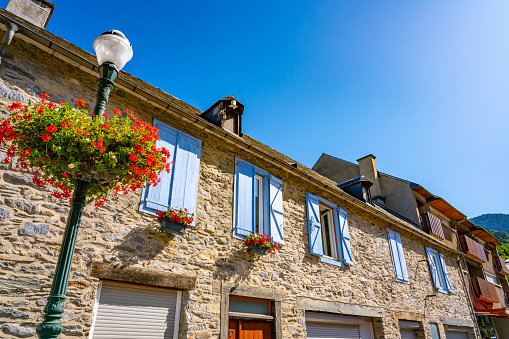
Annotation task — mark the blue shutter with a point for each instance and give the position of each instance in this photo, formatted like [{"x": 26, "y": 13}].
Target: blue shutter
[
  {"x": 243, "y": 195},
  {"x": 314, "y": 227},
  {"x": 433, "y": 267},
  {"x": 184, "y": 187},
  {"x": 276, "y": 210},
  {"x": 158, "y": 198},
  {"x": 345, "y": 237},
  {"x": 398, "y": 258},
  {"x": 444, "y": 270}
]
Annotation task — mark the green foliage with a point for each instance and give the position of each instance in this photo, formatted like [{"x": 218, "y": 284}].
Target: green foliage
[
  {"x": 503, "y": 250},
  {"x": 493, "y": 221}
]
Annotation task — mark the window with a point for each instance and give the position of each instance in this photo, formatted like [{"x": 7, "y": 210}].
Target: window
[
  {"x": 179, "y": 187},
  {"x": 258, "y": 202},
  {"x": 491, "y": 278},
  {"x": 328, "y": 231},
  {"x": 438, "y": 270},
  {"x": 398, "y": 258}
]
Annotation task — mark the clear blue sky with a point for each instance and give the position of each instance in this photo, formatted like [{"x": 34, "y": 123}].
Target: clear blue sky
[{"x": 423, "y": 85}]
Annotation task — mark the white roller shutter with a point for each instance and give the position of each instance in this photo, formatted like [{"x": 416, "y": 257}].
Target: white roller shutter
[
  {"x": 456, "y": 335},
  {"x": 319, "y": 331},
  {"x": 134, "y": 311},
  {"x": 408, "y": 334}
]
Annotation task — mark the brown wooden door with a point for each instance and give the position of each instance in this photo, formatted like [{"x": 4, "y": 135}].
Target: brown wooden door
[{"x": 249, "y": 329}]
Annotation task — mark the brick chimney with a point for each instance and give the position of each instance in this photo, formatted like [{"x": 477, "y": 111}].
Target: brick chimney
[
  {"x": 36, "y": 12},
  {"x": 367, "y": 168},
  {"x": 226, "y": 113}
]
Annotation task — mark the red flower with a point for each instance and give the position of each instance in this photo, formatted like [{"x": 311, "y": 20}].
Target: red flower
[
  {"x": 134, "y": 157},
  {"x": 15, "y": 106},
  {"x": 104, "y": 115},
  {"x": 105, "y": 125},
  {"x": 45, "y": 95},
  {"x": 46, "y": 137},
  {"x": 80, "y": 102},
  {"x": 52, "y": 129},
  {"x": 117, "y": 112}
]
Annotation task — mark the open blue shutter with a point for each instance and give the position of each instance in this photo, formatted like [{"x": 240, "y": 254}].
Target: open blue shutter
[
  {"x": 158, "y": 198},
  {"x": 276, "y": 210},
  {"x": 184, "y": 188},
  {"x": 345, "y": 237},
  {"x": 444, "y": 270},
  {"x": 433, "y": 268},
  {"x": 402, "y": 260},
  {"x": 398, "y": 258},
  {"x": 244, "y": 203},
  {"x": 395, "y": 254},
  {"x": 314, "y": 227}
]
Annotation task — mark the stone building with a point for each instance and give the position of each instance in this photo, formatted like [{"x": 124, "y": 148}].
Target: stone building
[
  {"x": 483, "y": 269},
  {"x": 348, "y": 267}
]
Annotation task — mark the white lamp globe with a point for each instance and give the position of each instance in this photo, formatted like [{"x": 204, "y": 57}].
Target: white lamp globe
[{"x": 113, "y": 46}]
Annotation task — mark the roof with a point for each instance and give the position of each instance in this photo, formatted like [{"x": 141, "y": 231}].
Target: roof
[{"x": 480, "y": 233}]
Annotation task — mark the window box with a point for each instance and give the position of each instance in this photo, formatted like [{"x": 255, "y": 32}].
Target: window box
[
  {"x": 172, "y": 227},
  {"x": 256, "y": 249}
]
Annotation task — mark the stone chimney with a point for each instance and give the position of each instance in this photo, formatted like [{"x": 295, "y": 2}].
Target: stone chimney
[
  {"x": 36, "y": 12},
  {"x": 226, "y": 113},
  {"x": 367, "y": 168}
]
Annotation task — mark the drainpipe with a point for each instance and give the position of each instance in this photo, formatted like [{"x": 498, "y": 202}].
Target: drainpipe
[
  {"x": 465, "y": 286},
  {"x": 11, "y": 29}
]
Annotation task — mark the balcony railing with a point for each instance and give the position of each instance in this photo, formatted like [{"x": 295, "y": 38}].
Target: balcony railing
[
  {"x": 473, "y": 249},
  {"x": 485, "y": 291},
  {"x": 432, "y": 225},
  {"x": 500, "y": 264}
]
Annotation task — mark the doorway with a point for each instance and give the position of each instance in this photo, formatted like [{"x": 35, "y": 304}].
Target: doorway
[{"x": 249, "y": 329}]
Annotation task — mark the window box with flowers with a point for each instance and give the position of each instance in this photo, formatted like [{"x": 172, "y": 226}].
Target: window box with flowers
[
  {"x": 260, "y": 244},
  {"x": 174, "y": 220}
]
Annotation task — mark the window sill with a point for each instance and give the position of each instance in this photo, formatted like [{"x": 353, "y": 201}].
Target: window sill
[
  {"x": 331, "y": 261},
  {"x": 403, "y": 281}
]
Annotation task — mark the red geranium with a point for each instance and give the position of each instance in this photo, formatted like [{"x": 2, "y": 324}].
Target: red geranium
[
  {"x": 177, "y": 215},
  {"x": 262, "y": 240},
  {"x": 85, "y": 144}
]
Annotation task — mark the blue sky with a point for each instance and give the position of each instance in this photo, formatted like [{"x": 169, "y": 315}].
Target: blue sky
[{"x": 422, "y": 85}]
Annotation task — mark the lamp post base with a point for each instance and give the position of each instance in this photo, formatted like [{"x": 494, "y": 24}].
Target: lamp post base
[{"x": 51, "y": 327}]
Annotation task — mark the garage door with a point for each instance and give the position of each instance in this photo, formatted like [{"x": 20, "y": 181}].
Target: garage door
[
  {"x": 135, "y": 311},
  {"x": 334, "y": 326},
  {"x": 315, "y": 331},
  {"x": 456, "y": 335}
]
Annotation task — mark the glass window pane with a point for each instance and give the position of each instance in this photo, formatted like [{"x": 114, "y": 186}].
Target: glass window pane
[
  {"x": 249, "y": 306},
  {"x": 434, "y": 331}
]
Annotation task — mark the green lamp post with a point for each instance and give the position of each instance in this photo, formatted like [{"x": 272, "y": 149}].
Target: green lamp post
[{"x": 113, "y": 52}]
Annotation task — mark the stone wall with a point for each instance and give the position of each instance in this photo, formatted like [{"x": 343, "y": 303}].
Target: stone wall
[{"x": 32, "y": 225}]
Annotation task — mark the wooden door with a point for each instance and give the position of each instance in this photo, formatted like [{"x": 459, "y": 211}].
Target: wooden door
[{"x": 249, "y": 329}]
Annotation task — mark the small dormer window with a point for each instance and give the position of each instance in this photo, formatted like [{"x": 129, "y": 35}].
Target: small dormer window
[{"x": 358, "y": 187}]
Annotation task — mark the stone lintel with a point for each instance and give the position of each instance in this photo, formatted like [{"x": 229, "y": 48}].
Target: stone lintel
[
  {"x": 142, "y": 276},
  {"x": 457, "y": 322},
  {"x": 310, "y": 304},
  {"x": 251, "y": 291},
  {"x": 412, "y": 316}
]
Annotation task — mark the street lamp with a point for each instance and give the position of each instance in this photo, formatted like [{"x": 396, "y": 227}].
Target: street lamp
[{"x": 113, "y": 52}]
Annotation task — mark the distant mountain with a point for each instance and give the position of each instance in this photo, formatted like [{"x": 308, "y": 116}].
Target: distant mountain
[{"x": 493, "y": 221}]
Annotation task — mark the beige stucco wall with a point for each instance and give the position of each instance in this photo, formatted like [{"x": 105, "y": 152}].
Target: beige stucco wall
[{"x": 117, "y": 233}]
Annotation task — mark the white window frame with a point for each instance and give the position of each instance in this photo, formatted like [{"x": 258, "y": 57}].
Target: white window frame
[
  {"x": 262, "y": 204},
  {"x": 332, "y": 232}
]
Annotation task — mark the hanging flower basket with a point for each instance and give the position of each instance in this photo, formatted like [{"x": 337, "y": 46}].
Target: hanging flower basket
[
  {"x": 260, "y": 244},
  {"x": 174, "y": 220},
  {"x": 61, "y": 144}
]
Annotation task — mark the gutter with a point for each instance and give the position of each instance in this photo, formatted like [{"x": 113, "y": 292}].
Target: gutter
[{"x": 85, "y": 63}]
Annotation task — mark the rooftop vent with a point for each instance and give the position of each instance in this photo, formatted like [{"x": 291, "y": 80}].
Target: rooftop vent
[
  {"x": 37, "y": 12},
  {"x": 226, "y": 113}
]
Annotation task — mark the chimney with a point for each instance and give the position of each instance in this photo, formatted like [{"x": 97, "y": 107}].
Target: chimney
[
  {"x": 226, "y": 113},
  {"x": 367, "y": 168},
  {"x": 37, "y": 12}
]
